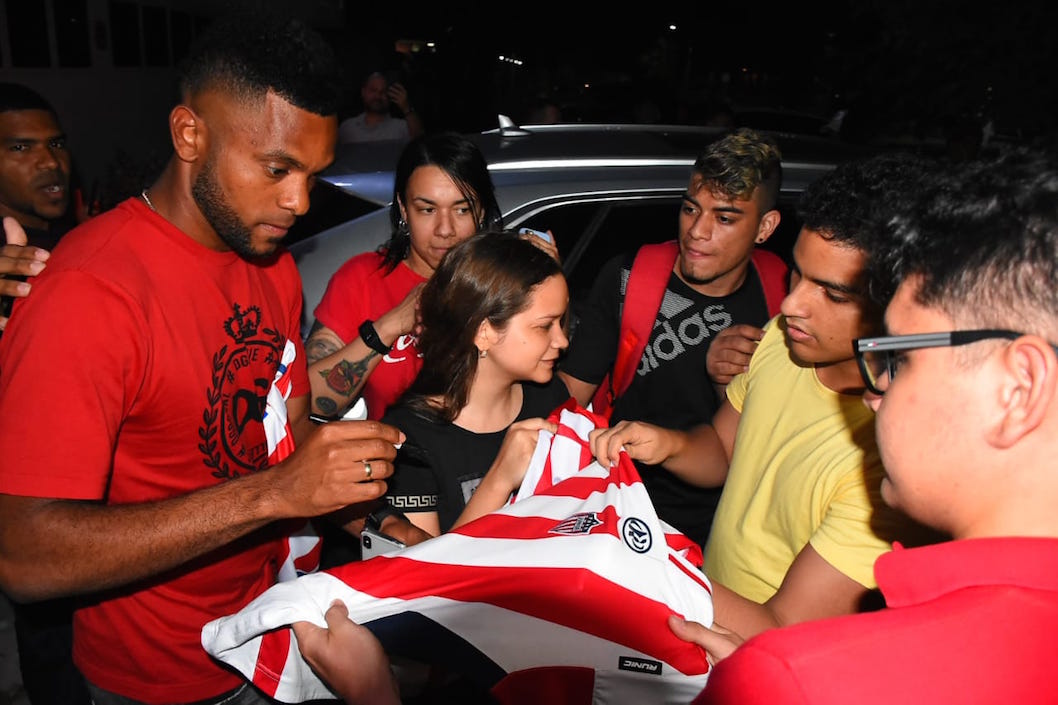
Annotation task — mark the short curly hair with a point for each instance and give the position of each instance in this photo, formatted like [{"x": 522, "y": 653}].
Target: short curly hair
[
  {"x": 983, "y": 241},
  {"x": 855, "y": 201},
  {"x": 736, "y": 164},
  {"x": 247, "y": 54}
]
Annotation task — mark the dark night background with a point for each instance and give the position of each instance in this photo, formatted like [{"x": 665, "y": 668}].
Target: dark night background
[
  {"x": 923, "y": 74},
  {"x": 903, "y": 70}
]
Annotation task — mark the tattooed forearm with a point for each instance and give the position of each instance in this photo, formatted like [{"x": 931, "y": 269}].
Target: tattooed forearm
[
  {"x": 327, "y": 405},
  {"x": 346, "y": 377},
  {"x": 317, "y": 348}
]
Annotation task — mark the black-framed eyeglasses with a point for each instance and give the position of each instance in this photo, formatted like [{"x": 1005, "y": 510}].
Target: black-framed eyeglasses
[{"x": 879, "y": 358}]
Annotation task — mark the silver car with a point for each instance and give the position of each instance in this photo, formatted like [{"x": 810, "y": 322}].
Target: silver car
[{"x": 600, "y": 189}]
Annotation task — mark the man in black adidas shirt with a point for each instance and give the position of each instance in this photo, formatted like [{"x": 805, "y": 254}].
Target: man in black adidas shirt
[{"x": 728, "y": 209}]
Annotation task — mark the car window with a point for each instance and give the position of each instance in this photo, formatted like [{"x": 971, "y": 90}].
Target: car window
[
  {"x": 330, "y": 206},
  {"x": 589, "y": 234}
]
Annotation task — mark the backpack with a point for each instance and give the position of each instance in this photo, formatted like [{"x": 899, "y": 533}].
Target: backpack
[{"x": 646, "y": 288}]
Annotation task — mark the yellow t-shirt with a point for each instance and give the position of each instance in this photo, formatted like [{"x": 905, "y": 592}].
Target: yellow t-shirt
[{"x": 804, "y": 457}]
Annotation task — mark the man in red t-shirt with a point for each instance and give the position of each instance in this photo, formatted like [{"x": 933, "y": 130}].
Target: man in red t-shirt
[{"x": 156, "y": 375}]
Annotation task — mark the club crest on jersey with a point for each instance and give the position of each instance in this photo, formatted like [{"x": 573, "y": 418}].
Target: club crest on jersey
[
  {"x": 577, "y": 524},
  {"x": 232, "y": 436},
  {"x": 636, "y": 534}
]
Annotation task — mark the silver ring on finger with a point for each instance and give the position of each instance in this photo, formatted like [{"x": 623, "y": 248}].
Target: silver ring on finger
[{"x": 367, "y": 470}]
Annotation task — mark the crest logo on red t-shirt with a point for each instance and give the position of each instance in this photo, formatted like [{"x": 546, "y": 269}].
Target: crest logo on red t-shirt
[
  {"x": 243, "y": 324},
  {"x": 232, "y": 436}
]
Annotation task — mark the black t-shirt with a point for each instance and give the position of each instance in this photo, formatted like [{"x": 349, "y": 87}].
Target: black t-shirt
[
  {"x": 671, "y": 387},
  {"x": 442, "y": 464}
]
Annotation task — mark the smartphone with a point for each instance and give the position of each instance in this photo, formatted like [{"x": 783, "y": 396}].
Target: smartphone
[
  {"x": 539, "y": 233},
  {"x": 375, "y": 543}
]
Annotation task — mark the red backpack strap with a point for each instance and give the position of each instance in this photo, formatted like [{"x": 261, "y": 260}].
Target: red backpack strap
[
  {"x": 773, "y": 274},
  {"x": 646, "y": 287}
]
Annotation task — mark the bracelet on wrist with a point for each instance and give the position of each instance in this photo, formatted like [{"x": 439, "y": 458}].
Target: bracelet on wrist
[{"x": 369, "y": 335}]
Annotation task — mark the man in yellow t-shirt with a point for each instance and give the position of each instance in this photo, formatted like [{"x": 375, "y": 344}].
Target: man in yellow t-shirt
[
  {"x": 800, "y": 522},
  {"x": 808, "y": 473}
]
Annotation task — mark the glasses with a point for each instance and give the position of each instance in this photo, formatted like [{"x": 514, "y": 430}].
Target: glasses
[{"x": 879, "y": 358}]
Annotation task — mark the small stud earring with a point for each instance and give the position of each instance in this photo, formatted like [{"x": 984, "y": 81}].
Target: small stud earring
[{"x": 483, "y": 353}]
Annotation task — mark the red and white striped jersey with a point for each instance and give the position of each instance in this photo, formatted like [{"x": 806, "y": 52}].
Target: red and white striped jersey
[
  {"x": 301, "y": 550},
  {"x": 561, "y": 596}
]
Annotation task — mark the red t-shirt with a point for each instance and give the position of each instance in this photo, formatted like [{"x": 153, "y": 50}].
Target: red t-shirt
[
  {"x": 969, "y": 621},
  {"x": 138, "y": 371},
  {"x": 362, "y": 289}
]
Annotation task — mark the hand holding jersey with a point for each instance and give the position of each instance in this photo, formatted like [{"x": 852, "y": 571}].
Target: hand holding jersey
[
  {"x": 507, "y": 472},
  {"x": 365, "y": 680},
  {"x": 552, "y": 568}
]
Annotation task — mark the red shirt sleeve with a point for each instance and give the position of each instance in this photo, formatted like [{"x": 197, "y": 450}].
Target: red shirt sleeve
[
  {"x": 751, "y": 676},
  {"x": 43, "y": 357}
]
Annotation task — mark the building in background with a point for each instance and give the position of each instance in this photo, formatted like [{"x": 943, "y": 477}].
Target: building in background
[{"x": 108, "y": 68}]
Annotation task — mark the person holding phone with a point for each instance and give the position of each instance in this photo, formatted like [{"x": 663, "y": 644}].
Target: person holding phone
[
  {"x": 373, "y": 542},
  {"x": 364, "y": 341},
  {"x": 376, "y": 122}
]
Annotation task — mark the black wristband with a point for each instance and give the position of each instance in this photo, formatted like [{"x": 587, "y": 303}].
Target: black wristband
[
  {"x": 369, "y": 335},
  {"x": 375, "y": 518}
]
